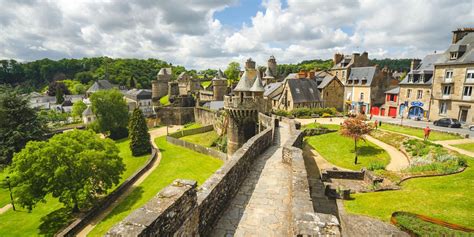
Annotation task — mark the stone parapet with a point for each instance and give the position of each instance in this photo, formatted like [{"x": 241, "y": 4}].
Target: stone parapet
[{"x": 247, "y": 103}]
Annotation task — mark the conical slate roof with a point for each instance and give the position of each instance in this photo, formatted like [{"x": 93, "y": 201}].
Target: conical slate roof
[
  {"x": 257, "y": 84},
  {"x": 220, "y": 76},
  {"x": 268, "y": 73},
  {"x": 165, "y": 71},
  {"x": 245, "y": 83}
]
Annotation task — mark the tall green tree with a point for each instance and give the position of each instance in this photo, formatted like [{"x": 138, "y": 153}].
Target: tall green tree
[
  {"x": 112, "y": 113},
  {"x": 138, "y": 134},
  {"x": 59, "y": 96},
  {"x": 75, "y": 167},
  {"x": 232, "y": 72},
  {"x": 18, "y": 123},
  {"x": 77, "y": 108}
]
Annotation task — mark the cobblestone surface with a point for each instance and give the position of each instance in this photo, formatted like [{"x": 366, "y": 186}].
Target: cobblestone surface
[{"x": 262, "y": 205}]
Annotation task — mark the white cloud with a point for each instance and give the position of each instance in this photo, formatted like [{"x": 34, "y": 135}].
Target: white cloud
[{"x": 187, "y": 33}]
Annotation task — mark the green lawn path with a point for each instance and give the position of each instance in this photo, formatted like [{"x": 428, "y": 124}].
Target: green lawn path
[
  {"x": 418, "y": 132},
  {"x": 448, "y": 198},
  {"x": 204, "y": 139},
  {"x": 339, "y": 150},
  {"x": 465, "y": 146},
  {"x": 176, "y": 163},
  {"x": 22, "y": 223}
]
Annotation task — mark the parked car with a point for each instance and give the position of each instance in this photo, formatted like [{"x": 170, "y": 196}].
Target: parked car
[
  {"x": 471, "y": 127},
  {"x": 447, "y": 122}
]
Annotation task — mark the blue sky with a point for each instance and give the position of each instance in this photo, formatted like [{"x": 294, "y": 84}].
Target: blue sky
[{"x": 204, "y": 34}]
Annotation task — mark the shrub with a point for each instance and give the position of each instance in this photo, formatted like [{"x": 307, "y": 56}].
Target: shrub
[
  {"x": 308, "y": 112},
  {"x": 280, "y": 112},
  {"x": 375, "y": 166},
  {"x": 326, "y": 115},
  {"x": 420, "y": 227}
]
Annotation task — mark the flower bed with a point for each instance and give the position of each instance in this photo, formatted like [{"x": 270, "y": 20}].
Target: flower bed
[{"x": 419, "y": 225}]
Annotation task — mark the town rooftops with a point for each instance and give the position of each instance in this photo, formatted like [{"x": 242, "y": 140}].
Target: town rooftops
[
  {"x": 426, "y": 68},
  {"x": 138, "y": 94},
  {"x": 326, "y": 80},
  {"x": 303, "y": 90},
  {"x": 461, "y": 52},
  {"x": 87, "y": 111},
  {"x": 100, "y": 85},
  {"x": 270, "y": 88},
  {"x": 361, "y": 76},
  {"x": 394, "y": 91}
]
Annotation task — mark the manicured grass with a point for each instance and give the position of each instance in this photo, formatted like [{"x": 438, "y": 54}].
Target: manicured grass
[
  {"x": 418, "y": 132},
  {"x": 448, "y": 198},
  {"x": 4, "y": 193},
  {"x": 176, "y": 163},
  {"x": 316, "y": 125},
  {"x": 46, "y": 218},
  {"x": 465, "y": 146},
  {"x": 191, "y": 126},
  {"x": 339, "y": 150},
  {"x": 205, "y": 84},
  {"x": 204, "y": 139},
  {"x": 425, "y": 228},
  {"x": 165, "y": 100}
]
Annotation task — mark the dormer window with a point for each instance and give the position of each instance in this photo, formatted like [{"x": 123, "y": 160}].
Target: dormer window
[
  {"x": 364, "y": 81},
  {"x": 453, "y": 55},
  {"x": 298, "y": 90},
  {"x": 410, "y": 78},
  {"x": 311, "y": 90}
]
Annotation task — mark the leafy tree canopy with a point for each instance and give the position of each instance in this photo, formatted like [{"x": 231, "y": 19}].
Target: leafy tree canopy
[
  {"x": 233, "y": 70},
  {"x": 18, "y": 123},
  {"x": 355, "y": 128},
  {"x": 77, "y": 108},
  {"x": 75, "y": 167},
  {"x": 111, "y": 111}
]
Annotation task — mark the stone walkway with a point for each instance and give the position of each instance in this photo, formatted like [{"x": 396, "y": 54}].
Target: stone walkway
[
  {"x": 398, "y": 160},
  {"x": 262, "y": 204},
  {"x": 5, "y": 208},
  {"x": 153, "y": 134}
]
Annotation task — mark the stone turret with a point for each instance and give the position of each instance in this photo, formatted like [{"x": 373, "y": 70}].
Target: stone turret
[
  {"x": 243, "y": 108},
  {"x": 250, "y": 64},
  {"x": 159, "y": 87},
  {"x": 219, "y": 86},
  {"x": 270, "y": 74}
]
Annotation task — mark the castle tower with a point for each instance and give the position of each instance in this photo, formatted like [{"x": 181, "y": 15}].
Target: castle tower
[
  {"x": 173, "y": 89},
  {"x": 272, "y": 64},
  {"x": 219, "y": 86},
  {"x": 243, "y": 108},
  {"x": 270, "y": 74},
  {"x": 159, "y": 87}
]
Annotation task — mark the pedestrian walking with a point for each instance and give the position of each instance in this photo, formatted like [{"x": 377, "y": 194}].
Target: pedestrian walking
[
  {"x": 427, "y": 131},
  {"x": 380, "y": 123},
  {"x": 376, "y": 123},
  {"x": 371, "y": 116}
]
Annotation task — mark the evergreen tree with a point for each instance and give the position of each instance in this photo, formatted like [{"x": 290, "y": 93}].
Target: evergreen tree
[
  {"x": 138, "y": 134},
  {"x": 59, "y": 96}
]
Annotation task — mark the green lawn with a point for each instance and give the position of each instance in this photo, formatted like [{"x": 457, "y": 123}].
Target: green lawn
[
  {"x": 418, "y": 132},
  {"x": 466, "y": 146},
  {"x": 339, "y": 150},
  {"x": 204, "y": 139},
  {"x": 46, "y": 218},
  {"x": 205, "y": 84},
  {"x": 165, "y": 100},
  {"x": 4, "y": 193},
  {"x": 176, "y": 163},
  {"x": 448, "y": 198},
  {"x": 189, "y": 126},
  {"x": 316, "y": 125}
]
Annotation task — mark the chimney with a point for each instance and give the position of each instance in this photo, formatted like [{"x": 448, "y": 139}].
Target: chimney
[
  {"x": 301, "y": 74},
  {"x": 414, "y": 64},
  {"x": 337, "y": 58},
  {"x": 250, "y": 64},
  {"x": 460, "y": 33},
  {"x": 311, "y": 74}
]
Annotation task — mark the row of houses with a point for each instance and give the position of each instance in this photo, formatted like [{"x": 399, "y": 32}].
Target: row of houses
[{"x": 439, "y": 86}]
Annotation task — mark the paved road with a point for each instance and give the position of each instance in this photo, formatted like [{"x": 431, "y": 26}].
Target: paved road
[
  {"x": 262, "y": 205},
  {"x": 423, "y": 124}
]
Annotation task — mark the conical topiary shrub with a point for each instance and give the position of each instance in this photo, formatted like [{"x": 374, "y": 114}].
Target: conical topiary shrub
[{"x": 138, "y": 134}]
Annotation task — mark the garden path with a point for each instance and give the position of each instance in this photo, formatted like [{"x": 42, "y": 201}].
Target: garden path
[
  {"x": 398, "y": 160},
  {"x": 153, "y": 134},
  {"x": 5, "y": 208}
]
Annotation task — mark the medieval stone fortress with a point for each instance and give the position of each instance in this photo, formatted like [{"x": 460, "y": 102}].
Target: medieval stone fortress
[{"x": 343, "y": 147}]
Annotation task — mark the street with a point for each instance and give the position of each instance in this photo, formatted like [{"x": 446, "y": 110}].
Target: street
[{"x": 423, "y": 124}]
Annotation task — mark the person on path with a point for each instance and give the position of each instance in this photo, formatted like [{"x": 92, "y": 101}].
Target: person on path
[
  {"x": 427, "y": 131},
  {"x": 380, "y": 123},
  {"x": 370, "y": 116},
  {"x": 376, "y": 123}
]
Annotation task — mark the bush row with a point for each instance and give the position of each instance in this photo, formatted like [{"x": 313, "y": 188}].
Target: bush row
[{"x": 308, "y": 112}]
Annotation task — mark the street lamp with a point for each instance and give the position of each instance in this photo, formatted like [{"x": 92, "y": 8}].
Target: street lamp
[{"x": 10, "y": 189}]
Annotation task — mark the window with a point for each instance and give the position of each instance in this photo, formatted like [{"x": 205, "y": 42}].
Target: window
[
  {"x": 467, "y": 91},
  {"x": 454, "y": 55},
  {"x": 410, "y": 78},
  {"x": 343, "y": 74},
  {"x": 392, "y": 98},
  {"x": 449, "y": 75},
  {"x": 337, "y": 73},
  {"x": 408, "y": 93},
  {"x": 470, "y": 75},
  {"x": 443, "y": 107},
  {"x": 419, "y": 94},
  {"x": 362, "y": 96},
  {"x": 446, "y": 90}
]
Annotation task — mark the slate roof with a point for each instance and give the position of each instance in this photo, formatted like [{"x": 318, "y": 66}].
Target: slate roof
[
  {"x": 214, "y": 105},
  {"x": 257, "y": 84},
  {"x": 245, "y": 83},
  {"x": 395, "y": 90},
  {"x": 303, "y": 90},
  {"x": 426, "y": 67},
  {"x": 292, "y": 76},
  {"x": 268, "y": 73},
  {"x": 141, "y": 94},
  {"x": 165, "y": 71},
  {"x": 87, "y": 111},
  {"x": 219, "y": 76},
  {"x": 466, "y": 45},
  {"x": 270, "y": 88},
  {"x": 100, "y": 85},
  {"x": 358, "y": 74},
  {"x": 326, "y": 80}
]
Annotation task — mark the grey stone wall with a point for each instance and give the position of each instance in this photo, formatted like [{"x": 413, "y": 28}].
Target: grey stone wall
[
  {"x": 81, "y": 222},
  {"x": 163, "y": 215},
  {"x": 204, "y": 116},
  {"x": 198, "y": 148},
  {"x": 175, "y": 115},
  {"x": 306, "y": 222},
  {"x": 193, "y": 131}
]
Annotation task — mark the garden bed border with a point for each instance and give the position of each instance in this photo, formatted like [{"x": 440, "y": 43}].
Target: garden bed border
[{"x": 430, "y": 220}]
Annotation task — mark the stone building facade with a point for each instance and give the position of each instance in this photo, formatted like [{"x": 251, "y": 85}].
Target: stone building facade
[
  {"x": 159, "y": 87},
  {"x": 216, "y": 90},
  {"x": 331, "y": 91},
  {"x": 344, "y": 63},
  {"x": 453, "y": 80}
]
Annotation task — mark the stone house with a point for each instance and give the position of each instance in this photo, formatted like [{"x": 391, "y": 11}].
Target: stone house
[
  {"x": 273, "y": 92},
  {"x": 187, "y": 84},
  {"x": 415, "y": 88},
  {"x": 453, "y": 80},
  {"x": 99, "y": 85},
  {"x": 299, "y": 92},
  {"x": 88, "y": 116},
  {"x": 364, "y": 90},
  {"x": 41, "y": 101},
  {"x": 331, "y": 91},
  {"x": 139, "y": 99},
  {"x": 343, "y": 64}
]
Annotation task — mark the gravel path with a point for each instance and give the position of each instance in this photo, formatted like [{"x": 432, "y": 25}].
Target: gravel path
[
  {"x": 398, "y": 160},
  {"x": 153, "y": 134},
  {"x": 5, "y": 208}
]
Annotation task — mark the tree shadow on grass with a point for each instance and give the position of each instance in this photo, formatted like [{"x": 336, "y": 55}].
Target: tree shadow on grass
[
  {"x": 369, "y": 151},
  {"x": 54, "y": 221},
  {"x": 125, "y": 205}
]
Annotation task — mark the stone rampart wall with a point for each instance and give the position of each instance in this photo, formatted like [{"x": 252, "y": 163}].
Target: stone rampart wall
[
  {"x": 193, "y": 131},
  {"x": 204, "y": 116},
  {"x": 174, "y": 115},
  {"x": 198, "y": 148}
]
